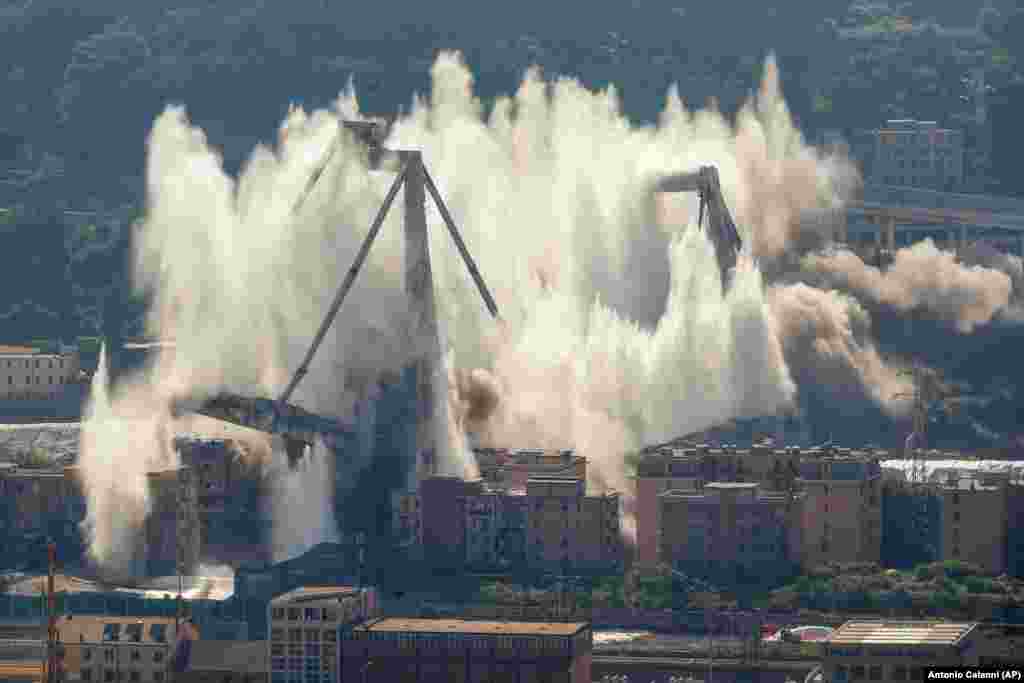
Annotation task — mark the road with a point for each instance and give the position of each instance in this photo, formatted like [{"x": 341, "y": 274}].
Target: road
[{"x": 804, "y": 666}]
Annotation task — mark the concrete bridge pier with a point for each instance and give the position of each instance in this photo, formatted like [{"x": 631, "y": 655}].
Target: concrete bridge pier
[
  {"x": 841, "y": 233},
  {"x": 890, "y": 235}
]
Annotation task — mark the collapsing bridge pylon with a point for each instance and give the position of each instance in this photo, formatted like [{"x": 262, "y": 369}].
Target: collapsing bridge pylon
[{"x": 300, "y": 428}]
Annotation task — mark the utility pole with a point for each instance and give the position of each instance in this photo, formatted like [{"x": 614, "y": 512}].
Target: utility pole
[
  {"x": 52, "y": 673},
  {"x": 916, "y": 441}
]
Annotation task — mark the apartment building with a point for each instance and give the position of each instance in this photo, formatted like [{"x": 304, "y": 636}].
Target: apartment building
[
  {"x": 918, "y": 154},
  {"x": 567, "y": 530},
  {"x": 897, "y": 651},
  {"x": 975, "y": 522},
  {"x": 728, "y": 527},
  {"x": 230, "y": 495},
  {"x": 304, "y": 627},
  {"x": 842, "y": 518},
  {"x": 685, "y": 468},
  {"x": 1015, "y": 529},
  {"x": 552, "y": 524},
  {"x": 45, "y": 501},
  {"x": 503, "y": 468},
  {"x": 172, "y": 528},
  {"x": 408, "y": 650},
  {"x": 113, "y": 649},
  {"x": 30, "y": 373}
]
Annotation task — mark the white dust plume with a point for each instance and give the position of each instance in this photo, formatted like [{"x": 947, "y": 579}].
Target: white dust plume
[
  {"x": 124, "y": 436},
  {"x": 615, "y": 332}
]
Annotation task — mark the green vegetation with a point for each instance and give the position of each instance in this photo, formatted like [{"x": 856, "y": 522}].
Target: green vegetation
[
  {"x": 822, "y": 104},
  {"x": 947, "y": 586}
]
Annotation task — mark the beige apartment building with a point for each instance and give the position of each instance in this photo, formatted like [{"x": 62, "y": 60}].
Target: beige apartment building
[
  {"x": 117, "y": 649},
  {"x": 567, "y": 529},
  {"x": 974, "y": 522},
  {"x": 843, "y": 510},
  {"x": 731, "y": 525},
  {"x": 28, "y": 373},
  {"x": 551, "y": 524},
  {"x": 687, "y": 467}
]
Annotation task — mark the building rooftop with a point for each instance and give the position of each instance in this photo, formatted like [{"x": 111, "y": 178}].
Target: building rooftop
[
  {"x": 96, "y": 629},
  {"x": 309, "y": 593},
  {"x": 731, "y": 486},
  {"x": 900, "y": 633},
  {"x": 17, "y": 350},
  {"x": 505, "y": 628}
]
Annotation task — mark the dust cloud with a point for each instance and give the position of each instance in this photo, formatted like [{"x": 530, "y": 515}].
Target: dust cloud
[
  {"x": 921, "y": 278},
  {"x": 615, "y": 331}
]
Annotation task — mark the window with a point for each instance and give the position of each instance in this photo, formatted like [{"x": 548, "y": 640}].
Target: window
[
  {"x": 136, "y": 655},
  {"x": 857, "y": 673},
  {"x": 277, "y": 613},
  {"x": 86, "y": 655},
  {"x": 158, "y": 633},
  {"x": 329, "y": 614},
  {"x": 311, "y": 614},
  {"x": 899, "y": 673},
  {"x": 277, "y": 650},
  {"x": 108, "y": 655},
  {"x": 86, "y": 674},
  {"x": 330, "y": 635},
  {"x": 956, "y": 499},
  {"x": 956, "y": 515},
  {"x": 875, "y": 673},
  {"x": 313, "y": 634},
  {"x": 108, "y": 675},
  {"x": 277, "y": 634},
  {"x": 133, "y": 632},
  {"x": 158, "y": 656},
  {"x": 294, "y": 613},
  {"x": 295, "y": 634},
  {"x": 158, "y": 676},
  {"x": 133, "y": 676}
]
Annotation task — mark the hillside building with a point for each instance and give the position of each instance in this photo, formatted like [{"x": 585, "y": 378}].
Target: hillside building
[
  {"x": 918, "y": 154},
  {"x": 31, "y": 373}
]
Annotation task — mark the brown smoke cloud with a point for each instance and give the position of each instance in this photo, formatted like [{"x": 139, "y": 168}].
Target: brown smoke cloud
[
  {"x": 921, "y": 278},
  {"x": 826, "y": 337}
]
